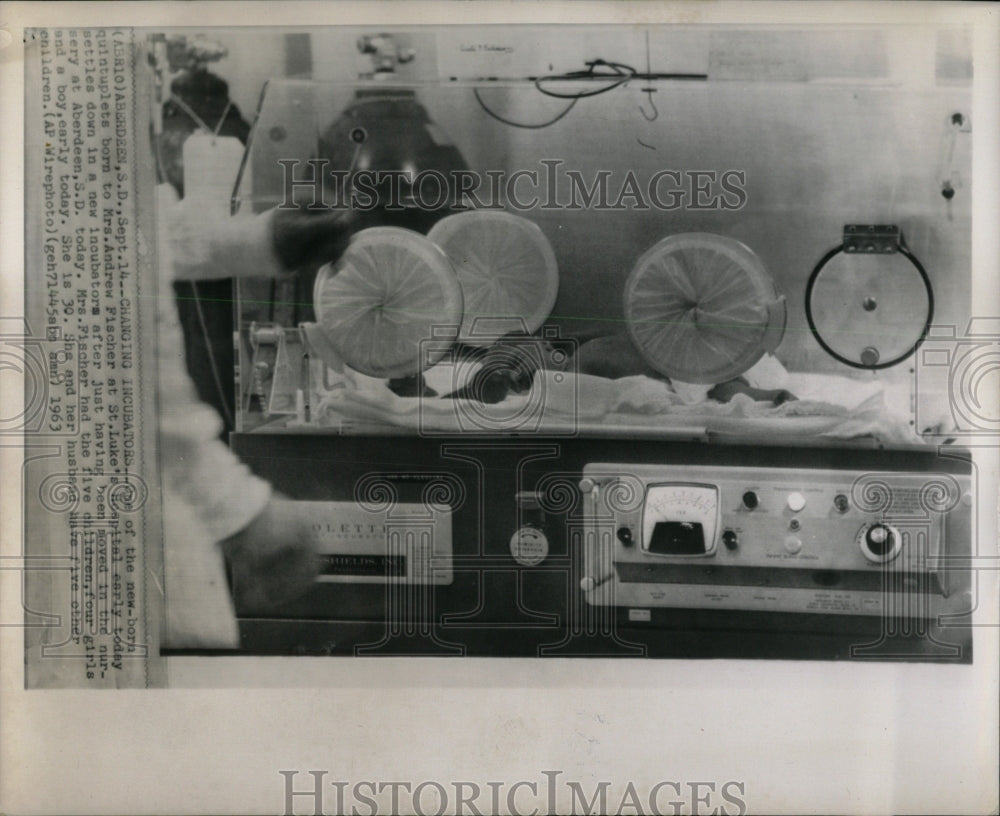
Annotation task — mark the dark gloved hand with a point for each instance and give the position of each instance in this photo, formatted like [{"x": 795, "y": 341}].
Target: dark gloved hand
[{"x": 311, "y": 237}]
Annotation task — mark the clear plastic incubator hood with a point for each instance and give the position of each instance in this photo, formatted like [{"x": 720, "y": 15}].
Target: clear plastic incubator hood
[{"x": 604, "y": 252}]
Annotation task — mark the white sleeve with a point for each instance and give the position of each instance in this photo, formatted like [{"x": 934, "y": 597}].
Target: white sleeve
[
  {"x": 205, "y": 244},
  {"x": 218, "y": 487},
  {"x": 208, "y": 493}
]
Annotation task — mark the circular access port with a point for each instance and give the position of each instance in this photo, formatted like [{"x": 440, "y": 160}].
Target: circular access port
[
  {"x": 750, "y": 500},
  {"x": 879, "y": 542},
  {"x": 871, "y": 308}
]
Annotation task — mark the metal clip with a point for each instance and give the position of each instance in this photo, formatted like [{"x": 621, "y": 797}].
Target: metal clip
[{"x": 878, "y": 239}]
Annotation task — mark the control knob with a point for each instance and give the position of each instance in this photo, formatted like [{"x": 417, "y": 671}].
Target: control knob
[{"x": 879, "y": 542}]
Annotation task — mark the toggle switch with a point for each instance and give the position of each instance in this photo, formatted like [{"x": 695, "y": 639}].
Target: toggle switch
[{"x": 589, "y": 583}]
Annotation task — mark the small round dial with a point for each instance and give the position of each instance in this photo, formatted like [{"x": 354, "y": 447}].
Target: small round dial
[
  {"x": 879, "y": 542},
  {"x": 529, "y": 546}
]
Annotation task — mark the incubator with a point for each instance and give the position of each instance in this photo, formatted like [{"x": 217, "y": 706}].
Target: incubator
[{"x": 623, "y": 350}]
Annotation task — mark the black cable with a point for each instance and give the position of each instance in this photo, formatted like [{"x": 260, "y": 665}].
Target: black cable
[
  {"x": 512, "y": 123},
  {"x": 221, "y": 391},
  {"x": 620, "y": 73}
]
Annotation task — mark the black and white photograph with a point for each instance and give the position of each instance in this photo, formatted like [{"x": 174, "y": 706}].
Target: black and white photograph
[{"x": 518, "y": 408}]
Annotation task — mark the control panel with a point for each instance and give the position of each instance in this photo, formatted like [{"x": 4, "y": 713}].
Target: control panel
[{"x": 791, "y": 540}]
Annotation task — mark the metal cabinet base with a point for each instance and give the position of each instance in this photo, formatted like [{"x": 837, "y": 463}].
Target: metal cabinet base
[{"x": 531, "y": 547}]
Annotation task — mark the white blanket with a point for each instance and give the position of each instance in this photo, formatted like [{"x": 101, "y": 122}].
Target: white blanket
[{"x": 827, "y": 405}]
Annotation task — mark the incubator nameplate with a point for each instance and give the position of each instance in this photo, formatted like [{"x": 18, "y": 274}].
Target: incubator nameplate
[{"x": 408, "y": 544}]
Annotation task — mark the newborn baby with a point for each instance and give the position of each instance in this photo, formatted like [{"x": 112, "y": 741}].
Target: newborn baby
[
  {"x": 509, "y": 365},
  {"x": 616, "y": 356}
]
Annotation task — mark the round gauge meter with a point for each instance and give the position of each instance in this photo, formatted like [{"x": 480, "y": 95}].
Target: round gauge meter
[{"x": 680, "y": 519}]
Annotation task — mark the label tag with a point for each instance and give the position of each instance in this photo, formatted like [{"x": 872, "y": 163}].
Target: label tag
[{"x": 211, "y": 164}]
